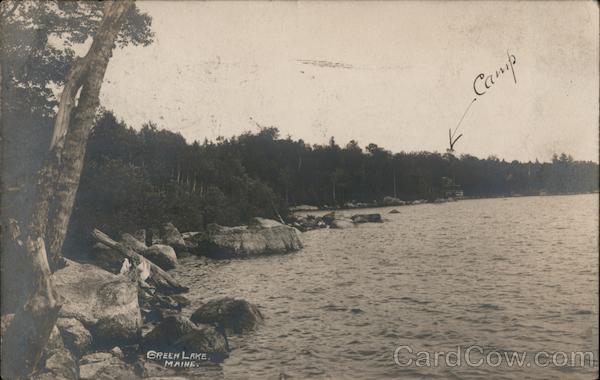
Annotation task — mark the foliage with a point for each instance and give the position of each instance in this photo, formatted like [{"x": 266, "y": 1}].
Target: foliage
[
  {"x": 39, "y": 41},
  {"x": 142, "y": 179}
]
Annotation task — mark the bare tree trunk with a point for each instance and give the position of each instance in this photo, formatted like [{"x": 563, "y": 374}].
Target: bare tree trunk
[
  {"x": 28, "y": 333},
  {"x": 25, "y": 337},
  {"x": 83, "y": 121},
  {"x": 333, "y": 192}
]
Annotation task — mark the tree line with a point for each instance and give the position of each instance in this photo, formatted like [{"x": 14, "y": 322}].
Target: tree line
[{"x": 142, "y": 179}]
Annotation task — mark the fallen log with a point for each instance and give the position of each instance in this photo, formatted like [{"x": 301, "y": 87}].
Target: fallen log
[{"x": 158, "y": 277}]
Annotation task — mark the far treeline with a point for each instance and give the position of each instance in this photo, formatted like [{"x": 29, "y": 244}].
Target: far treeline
[{"x": 142, "y": 179}]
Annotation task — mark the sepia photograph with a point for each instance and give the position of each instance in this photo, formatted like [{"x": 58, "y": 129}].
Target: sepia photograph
[{"x": 301, "y": 189}]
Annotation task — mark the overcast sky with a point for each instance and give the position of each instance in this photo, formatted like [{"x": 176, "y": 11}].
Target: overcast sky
[{"x": 398, "y": 74}]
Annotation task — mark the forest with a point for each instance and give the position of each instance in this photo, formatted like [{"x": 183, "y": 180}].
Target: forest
[
  {"x": 144, "y": 178},
  {"x": 141, "y": 179}
]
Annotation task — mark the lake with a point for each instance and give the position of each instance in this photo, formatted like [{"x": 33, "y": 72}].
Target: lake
[{"x": 506, "y": 275}]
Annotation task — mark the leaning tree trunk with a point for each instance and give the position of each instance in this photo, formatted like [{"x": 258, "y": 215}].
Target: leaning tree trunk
[
  {"x": 28, "y": 333},
  {"x": 83, "y": 121}
]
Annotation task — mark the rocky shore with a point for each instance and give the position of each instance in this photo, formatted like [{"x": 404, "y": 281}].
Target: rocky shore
[
  {"x": 121, "y": 314},
  {"x": 122, "y": 318}
]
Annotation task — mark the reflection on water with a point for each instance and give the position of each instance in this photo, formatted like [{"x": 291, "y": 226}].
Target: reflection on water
[{"x": 516, "y": 274}]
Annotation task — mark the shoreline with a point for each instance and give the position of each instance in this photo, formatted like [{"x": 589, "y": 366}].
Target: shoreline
[{"x": 437, "y": 201}]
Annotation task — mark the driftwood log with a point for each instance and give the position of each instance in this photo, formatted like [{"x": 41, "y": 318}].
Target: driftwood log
[{"x": 158, "y": 277}]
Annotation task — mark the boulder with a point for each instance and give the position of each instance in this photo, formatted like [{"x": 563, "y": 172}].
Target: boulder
[
  {"x": 106, "y": 304},
  {"x": 204, "y": 339},
  {"x": 262, "y": 236},
  {"x": 340, "y": 223},
  {"x": 334, "y": 220},
  {"x": 155, "y": 307},
  {"x": 308, "y": 222},
  {"x": 303, "y": 208},
  {"x": 74, "y": 335},
  {"x": 193, "y": 241},
  {"x": 105, "y": 366},
  {"x": 392, "y": 201},
  {"x": 55, "y": 342},
  {"x": 367, "y": 218},
  {"x": 59, "y": 365},
  {"x": 177, "y": 333},
  {"x": 172, "y": 237},
  {"x": 235, "y": 315},
  {"x": 394, "y": 211},
  {"x": 131, "y": 242},
  {"x": 167, "y": 332},
  {"x": 117, "y": 352},
  {"x": 329, "y": 218},
  {"x": 161, "y": 255}
]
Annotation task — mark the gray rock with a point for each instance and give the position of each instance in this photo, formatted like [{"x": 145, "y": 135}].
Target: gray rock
[
  {"x": 341, "y": 223},
  {"x": 394, "y": 211},
  {"x": 303, "y": 208},
  {"x": 105, "y": 366},
  {"x": 161, "y": 255},
  {"x": 329, "y": 218},
  {"x": 172, "y": 237},
  {"x": 167, "y": 332},
  {"x": 106, "y": 304},
  {"x": 367, "y": 218},
  {"x": 193, "y": 241},
  {"x": 74, "y": 335},
  {"x": 204, "y": 339},
  {"x": 235, "y": 315},
  {"x": 262, "y": 236},
  {"x": 59, "y": 365},
  {"x": 177, "y": 333},
  {"x": 116, "y": 352},
  {"x": 155, "y": 370},
  {"x": 156, "y": 307},
  {"x": 392, "y": 201},
  {"x": 308, "y": 222}
]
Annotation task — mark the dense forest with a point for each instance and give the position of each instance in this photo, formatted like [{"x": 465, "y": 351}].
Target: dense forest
[
  {"x": 138, "y": 179},
  {"x": 143, "y": 178}
]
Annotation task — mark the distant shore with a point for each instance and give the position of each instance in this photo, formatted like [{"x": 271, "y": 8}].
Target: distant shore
[{"x": 361, "y": 205}]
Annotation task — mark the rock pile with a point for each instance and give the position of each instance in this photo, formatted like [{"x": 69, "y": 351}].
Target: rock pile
[{"x": 333, "y": 220}]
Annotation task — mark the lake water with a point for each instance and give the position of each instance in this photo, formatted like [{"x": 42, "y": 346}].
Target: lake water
[{"x": 507, "y": 275}]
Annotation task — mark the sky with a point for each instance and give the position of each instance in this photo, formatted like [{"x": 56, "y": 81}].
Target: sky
[{"x": 397, "y": 74}]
